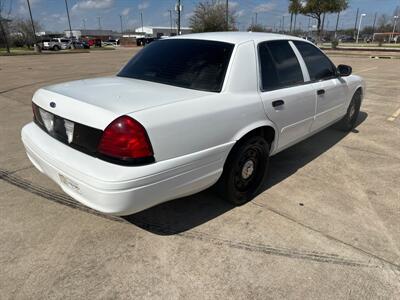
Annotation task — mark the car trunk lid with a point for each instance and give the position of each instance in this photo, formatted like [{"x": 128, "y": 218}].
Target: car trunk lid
[{"x": 97, "y": 102}]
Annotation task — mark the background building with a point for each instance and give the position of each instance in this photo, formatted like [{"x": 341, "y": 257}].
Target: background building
[
  {"x": 103, "y": 35},
  {"x": 158, "y": 31}
]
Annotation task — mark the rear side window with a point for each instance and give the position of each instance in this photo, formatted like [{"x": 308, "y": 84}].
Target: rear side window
[
  {"x": 187, "y": 63},
  {"x": 318, "y": 65},
  {"x": 279, "y": 65}
]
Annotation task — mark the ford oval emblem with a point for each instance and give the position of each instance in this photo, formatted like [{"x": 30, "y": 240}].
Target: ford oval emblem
[{"x": 52, "y": 104}]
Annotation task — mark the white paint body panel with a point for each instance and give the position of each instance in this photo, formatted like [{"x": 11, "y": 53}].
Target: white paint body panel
[{"x": 192, "y": 132}]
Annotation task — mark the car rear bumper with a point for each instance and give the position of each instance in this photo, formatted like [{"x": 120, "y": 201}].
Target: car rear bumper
[{"x": 121, "y": 190}]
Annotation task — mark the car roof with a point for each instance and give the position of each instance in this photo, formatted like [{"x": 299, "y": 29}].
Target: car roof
[{"x": 237, "y": 37}]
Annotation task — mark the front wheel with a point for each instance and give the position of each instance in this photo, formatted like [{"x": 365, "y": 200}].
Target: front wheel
[
  {"x": 244, "y": 171},
  {"x": 350, "y": 119}
]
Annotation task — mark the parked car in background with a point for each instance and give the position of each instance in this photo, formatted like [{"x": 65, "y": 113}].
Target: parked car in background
[
  {"x": 309, "y": 38},
  {"x": 111, "y": 42},
  {"x": 143, "y": 41},
  {"x": 346, "y": 39},
  {"x": 186, "y": 113},
  {"x": 56, "y": 44},
  {"x": 78, "y": 45}
]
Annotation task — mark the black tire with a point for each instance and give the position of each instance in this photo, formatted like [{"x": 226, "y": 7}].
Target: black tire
[
  {"x": 244, "y": 171},
  {"x": 350, "y": 119},
  {"x": 56, "y": 48}
]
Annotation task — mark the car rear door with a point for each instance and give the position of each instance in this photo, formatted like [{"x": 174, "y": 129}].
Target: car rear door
[
  {"x": 331, "y": 90},
  {"x": 287, "y": 100}
]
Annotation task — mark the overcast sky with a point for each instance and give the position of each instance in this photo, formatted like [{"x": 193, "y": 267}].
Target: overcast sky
[{"x": 52, "y": 14}]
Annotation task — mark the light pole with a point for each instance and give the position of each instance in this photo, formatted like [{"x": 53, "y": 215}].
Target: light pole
[
  {"x": 394, "y": 26},
  {"x": 227, "y": 14},
  {"x": 69, "y": 21},
  {"x": 99, "y": 21},
  {"x": 36, "y": 47},
  {"x": 170, "y": 22},
  {"x": 359, "y": 27},
  {"x": 178, "y": 8},
  {"x": 141, "y": 20}
]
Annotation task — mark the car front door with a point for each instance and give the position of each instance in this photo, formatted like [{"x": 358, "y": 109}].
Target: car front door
[
  {"x": 287, "y": 100},
  {"x": 330, "y": 89}
]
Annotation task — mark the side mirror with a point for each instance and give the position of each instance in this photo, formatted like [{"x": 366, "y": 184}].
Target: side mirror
[{"x": 344, "y": 70}]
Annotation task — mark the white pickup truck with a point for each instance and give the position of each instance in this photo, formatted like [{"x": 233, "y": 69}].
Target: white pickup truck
[
  {"x": 56, "y": 44},
  {"x": 184, "y": 114}
]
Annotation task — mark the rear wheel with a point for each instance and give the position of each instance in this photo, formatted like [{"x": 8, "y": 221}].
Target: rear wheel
[
  {"x": 56, "y": 48},
  {"x": 349, "y": 120},
  {"x": 244, "y": 171}
]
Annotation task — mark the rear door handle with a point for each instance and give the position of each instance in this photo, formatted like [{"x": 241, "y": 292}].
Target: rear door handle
[
  {"x": 320, "y": 92},
  {"x": 278, "y": 103}
]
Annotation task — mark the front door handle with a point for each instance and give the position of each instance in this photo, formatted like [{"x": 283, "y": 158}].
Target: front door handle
[
  {"x": 320, "y": 92},
  {"x": 278, "y": 103}
]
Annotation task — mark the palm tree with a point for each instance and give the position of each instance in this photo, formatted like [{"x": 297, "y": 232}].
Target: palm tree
[{"x": 294, "y": 9}]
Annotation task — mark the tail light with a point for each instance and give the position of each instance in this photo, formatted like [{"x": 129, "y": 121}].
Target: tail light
[{"x": 125, "y": 139}]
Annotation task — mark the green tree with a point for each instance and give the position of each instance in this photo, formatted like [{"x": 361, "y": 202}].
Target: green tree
[
  {"x": 209, "y": 16},
  {"x": 23, "y": 32},
  {"x": 4, "y": 38},
  {"x": 294, "y": 9},
  {"x": 317, "y": 8},
  {"x": 257, "y": 28}
]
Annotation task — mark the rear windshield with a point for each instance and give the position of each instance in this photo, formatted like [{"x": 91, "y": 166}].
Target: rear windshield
[{"x": 187, "y": 63}]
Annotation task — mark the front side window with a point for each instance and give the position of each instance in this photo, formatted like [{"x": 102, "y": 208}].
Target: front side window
[
  {"x": 187, "y": 63},
  {"x": 318, "y": 65},
  {"x": 279, "y": 65}
]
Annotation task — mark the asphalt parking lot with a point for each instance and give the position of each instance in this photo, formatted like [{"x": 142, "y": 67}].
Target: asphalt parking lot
[{"x": 327, "y": 225}]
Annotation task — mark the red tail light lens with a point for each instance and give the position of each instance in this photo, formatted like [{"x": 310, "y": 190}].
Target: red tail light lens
[{"x": 125, "y": 139}]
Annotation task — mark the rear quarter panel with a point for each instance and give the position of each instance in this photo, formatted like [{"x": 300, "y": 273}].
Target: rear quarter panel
[{"x": 219, "y": 119}]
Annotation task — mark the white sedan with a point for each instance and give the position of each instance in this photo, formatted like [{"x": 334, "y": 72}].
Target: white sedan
[{"x": 184, "y": 114}]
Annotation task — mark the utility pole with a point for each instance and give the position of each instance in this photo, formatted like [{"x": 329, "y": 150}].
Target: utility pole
[
  {"x": 227, "y": 14},
  {"x": 323, "y": 25},
  {"x": 99, "y": 21},
  {"x": 120, "y": 19},
  {"x": 373, "y": 26},
  {"x": 141, "y": 20},
  {"x": 355, "y": 24},
  {"x": 84, "y": 23},
  {"x": 178, "y": 8},
  {"x": 69, "y": 21},
  {"x": 256, "y": 19},
  {"x": 394, "y": 27},
  {"x": 337, "y": 23},
  {"x": 283, "y": 24},
  {"x": 359, "y": 27},
  {"x": 170, "y": 21},
  {"x": 33, "y": 27}
]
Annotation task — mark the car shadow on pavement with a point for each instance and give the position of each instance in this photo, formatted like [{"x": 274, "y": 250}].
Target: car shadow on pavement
[{"x": 180, "y": 215}]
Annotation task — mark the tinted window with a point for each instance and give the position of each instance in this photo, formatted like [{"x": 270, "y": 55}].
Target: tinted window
[
  {"x": 193, "y": 64},
  {"x": 318, "y": 65},
  {"x": 279, "y": 65}
]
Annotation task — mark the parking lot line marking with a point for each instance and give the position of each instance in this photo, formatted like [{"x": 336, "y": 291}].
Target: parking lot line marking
[
  {"x": 366, "y": 70},
  {"x": 394, "y": 116}
]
